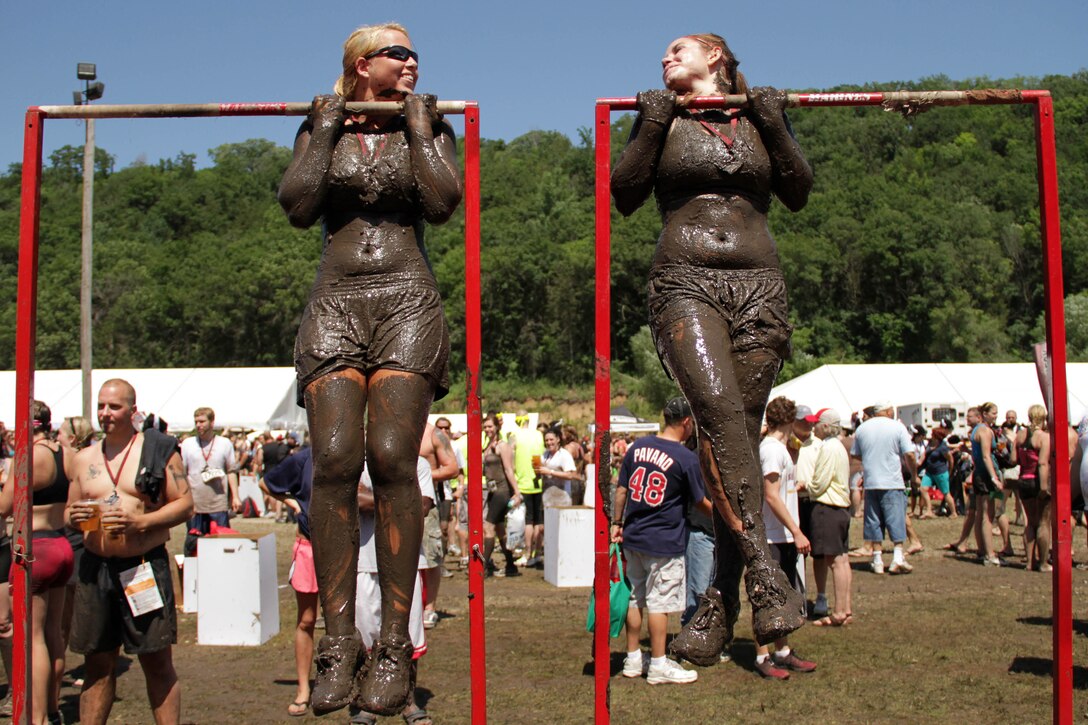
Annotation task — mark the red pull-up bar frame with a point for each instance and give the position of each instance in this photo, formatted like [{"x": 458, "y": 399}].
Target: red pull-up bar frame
[
  {"x": 1055, "y": 344},
  {"x": 25, "y": 348}
]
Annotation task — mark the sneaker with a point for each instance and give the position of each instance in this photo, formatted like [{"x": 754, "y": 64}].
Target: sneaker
[
  {"x": 993, "y": 561},
  {"x": 337, "y": 660},
  {"x": 767, "y": 669},
  {"x": 819, "y": 609},
  {"x": 900, "y": 567},
  {"x": 706, "y": 634},
  {"x": 455, "y": 550},
  {"x": 636, "y": 666},
  {"x": 793, "y": 662},
  {"x": 430, "y": 619},
  {"x": 385, "y": 684},
  {"x": 670, "y": 673},
  {"x": 877, "y": 566},
  {"x": 521, "y": 561},
  {"x": 726, "y": 655},
  {"x": 533, "y": 562}
]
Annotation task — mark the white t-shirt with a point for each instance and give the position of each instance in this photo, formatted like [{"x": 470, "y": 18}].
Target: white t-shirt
[
  {"x": 206, "y": 467},
  {"x": 775, "y": 458},
  {"x": 561, "y": 460},
  {"x": 368, "y": 557}
]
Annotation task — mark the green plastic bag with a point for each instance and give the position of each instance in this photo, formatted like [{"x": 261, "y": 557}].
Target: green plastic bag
[{"x": 619, "y": 595}]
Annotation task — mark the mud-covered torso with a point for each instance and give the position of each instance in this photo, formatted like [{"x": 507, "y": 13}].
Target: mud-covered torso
[
  {"x": 714, "y": 196},
  {"x": 373, "y": 215}
]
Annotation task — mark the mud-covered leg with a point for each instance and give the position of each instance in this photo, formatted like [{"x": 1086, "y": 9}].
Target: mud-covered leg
[
  {"x": 335, "y": 408},
  {"x": 397, "y": 415},
  {"x": 727, "y": 391}
]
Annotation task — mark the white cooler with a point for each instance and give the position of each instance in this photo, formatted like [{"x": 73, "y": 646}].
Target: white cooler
[
  {"x": 238, "y": 601},
  {"x": 568, "y": 546}
]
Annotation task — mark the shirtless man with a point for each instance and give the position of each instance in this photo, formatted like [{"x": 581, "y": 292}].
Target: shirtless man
[
  {"x": 437, "y": 449},
  {"x": 135, "y": 524}
]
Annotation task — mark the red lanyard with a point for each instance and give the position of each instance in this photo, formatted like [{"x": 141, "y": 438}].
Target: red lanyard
[
  {"x": 128, "y": 449},
  {"x": 725, "y": 139},
  {"x": 208, "y": 455}
]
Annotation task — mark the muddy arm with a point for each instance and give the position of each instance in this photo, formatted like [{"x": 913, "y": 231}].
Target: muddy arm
[
  {"x": 635, "y": 172},
  {"x": 434, "y": 153},
  {"x": 302, "y": 191},
  {"x": 791, "y": 176}
]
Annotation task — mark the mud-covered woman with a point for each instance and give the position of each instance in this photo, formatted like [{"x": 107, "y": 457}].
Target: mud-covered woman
[
  {"x": 717, "y": 303},
  {"x": 372, "y": 346}
]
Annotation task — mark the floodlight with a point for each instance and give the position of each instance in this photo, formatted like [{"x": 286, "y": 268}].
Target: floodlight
[
  {"x": 95, "y": 90},
  {"x": 86, "y": 71}
]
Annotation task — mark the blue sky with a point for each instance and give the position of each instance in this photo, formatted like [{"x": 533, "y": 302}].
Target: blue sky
[{"x": 530, "y": 65}]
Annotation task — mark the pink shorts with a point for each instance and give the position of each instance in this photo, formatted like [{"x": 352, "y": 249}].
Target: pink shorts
[
  {"x": 302, "y": 576},
  {"x": 52, "y": 564}
]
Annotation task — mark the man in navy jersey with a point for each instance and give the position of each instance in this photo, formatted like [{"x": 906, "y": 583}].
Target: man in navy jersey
[{"x": 659, "y": 482}]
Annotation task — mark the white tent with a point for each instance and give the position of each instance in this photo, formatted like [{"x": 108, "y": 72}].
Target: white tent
[
  {"x": 849, "y": 388},
  {"x": 240, "y": 397}
]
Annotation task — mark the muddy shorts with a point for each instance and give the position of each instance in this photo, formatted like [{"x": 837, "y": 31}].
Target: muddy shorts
[
  {"x": 388, "y": 321},
  {"x": 751, "y": 302},
  {"x": 103, "y": 620}
]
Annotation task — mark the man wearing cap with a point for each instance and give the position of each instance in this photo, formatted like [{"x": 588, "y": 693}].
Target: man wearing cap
[
  {"x": 659, "y": 483},
  {"x": 807, "y": 447},
  {"x": 830, "y": 538},
  {"x": 883, "y": 445}
]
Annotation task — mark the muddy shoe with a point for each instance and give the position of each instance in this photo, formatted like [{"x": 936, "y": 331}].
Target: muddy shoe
[
  {"x": 387, "y": 685},
  {"x": 337, "y": 659},
  {"x": 777, "y": 608},
  {"x": 701, "y": 642}
]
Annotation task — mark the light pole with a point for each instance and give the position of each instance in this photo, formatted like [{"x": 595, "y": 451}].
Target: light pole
[{"x": 86, "y": 72}]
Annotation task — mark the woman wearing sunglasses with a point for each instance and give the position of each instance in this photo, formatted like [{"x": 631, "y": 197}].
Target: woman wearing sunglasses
[
  {"x": 372, "y": 346},
  {"x": 718, "y": 303}
]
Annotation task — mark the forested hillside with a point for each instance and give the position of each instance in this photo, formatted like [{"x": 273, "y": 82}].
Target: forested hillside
[{"x": 920, "y": 242}]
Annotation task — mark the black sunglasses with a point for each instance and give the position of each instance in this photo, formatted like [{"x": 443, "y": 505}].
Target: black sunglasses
[{"x": 396, "y": 52}]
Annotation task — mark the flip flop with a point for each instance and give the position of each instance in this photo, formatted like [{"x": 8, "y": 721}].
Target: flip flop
[
  {"x": 860, "y": 554},
  {"x": 298, "y": 709}
]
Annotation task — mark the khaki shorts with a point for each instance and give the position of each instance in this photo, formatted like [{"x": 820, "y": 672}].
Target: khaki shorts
[
  {"x": 432, "y": 540},
  {"x": 657, "y": 582}
]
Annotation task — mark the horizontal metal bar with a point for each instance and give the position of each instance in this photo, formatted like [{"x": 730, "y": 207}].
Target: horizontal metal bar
[
  {"x": 190, "y": 110},
  {"x": 991, "y": 96}
]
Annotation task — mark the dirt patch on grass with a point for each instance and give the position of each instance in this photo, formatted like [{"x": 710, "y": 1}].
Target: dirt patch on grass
[{"x": 951, "y": 642}]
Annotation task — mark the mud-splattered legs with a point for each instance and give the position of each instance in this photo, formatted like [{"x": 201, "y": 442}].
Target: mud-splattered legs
[
  {"x": 396, "y": 418},
  {"x": 728, "y": 392},
  {"x": 394, "y": 406},
  {"x": 335, "y": 409}
]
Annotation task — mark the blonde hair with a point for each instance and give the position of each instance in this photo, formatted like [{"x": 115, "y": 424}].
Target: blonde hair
[
  {"x": 82, "y": 432},
  {"x": 362, "y": 41},
  {"x": 728, "y": 79},
  {"x": 206, "y": 412},
  {"x": 1037, "y": 415}
]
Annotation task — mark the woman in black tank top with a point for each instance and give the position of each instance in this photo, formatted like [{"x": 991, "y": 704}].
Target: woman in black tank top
[{"x": 52, "y": 562}]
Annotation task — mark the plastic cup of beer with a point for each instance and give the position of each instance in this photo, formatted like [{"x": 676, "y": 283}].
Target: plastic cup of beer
[
  {"x": 95, "y": 522},
  {"x": 536, "y": 461}
]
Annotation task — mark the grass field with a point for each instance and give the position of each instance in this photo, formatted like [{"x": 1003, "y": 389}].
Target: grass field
[{"x": 952, "y": 642}]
